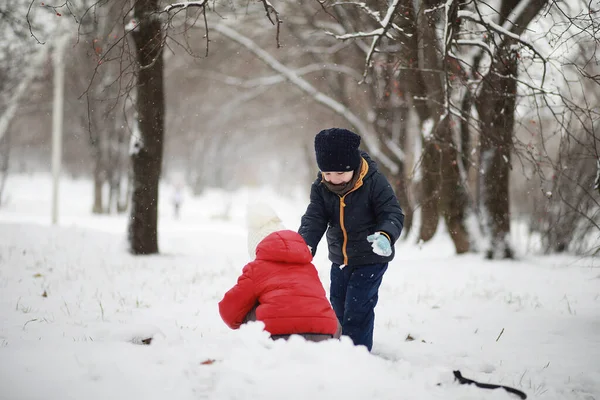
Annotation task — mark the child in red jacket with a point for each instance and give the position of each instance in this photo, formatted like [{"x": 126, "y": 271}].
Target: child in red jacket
[{"x": 281, "y": 286}]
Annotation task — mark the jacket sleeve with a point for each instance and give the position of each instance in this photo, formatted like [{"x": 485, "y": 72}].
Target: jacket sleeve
[
  {"x": 239, "y": 300},
  {"x": 389, "y": 214},
  {"x": 314, "y": 221}
]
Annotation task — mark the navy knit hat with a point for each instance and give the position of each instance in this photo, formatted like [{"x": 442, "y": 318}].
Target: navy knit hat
[{"x": 337, "y": 150}]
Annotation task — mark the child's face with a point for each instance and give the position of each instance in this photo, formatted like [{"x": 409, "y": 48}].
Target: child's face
[{"x": 338, "y": 178}]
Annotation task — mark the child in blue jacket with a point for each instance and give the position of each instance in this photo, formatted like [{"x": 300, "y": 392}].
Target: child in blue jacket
[{"x": 355, "y": 204}]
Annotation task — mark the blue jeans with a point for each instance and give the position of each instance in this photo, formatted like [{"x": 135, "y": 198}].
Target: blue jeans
[{"x": 353, "y": 295}]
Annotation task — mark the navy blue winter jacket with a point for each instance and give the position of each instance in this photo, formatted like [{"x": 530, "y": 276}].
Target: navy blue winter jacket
[{"x": 371, "y": 206}]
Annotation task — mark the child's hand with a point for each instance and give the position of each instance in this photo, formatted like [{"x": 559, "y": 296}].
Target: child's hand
[{"x": 381, "y": 245}]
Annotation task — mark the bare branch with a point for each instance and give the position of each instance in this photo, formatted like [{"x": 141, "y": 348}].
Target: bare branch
[
  {"x": 363, "y": 6},
  {"x": 270, "y": 9},
  {"x": 483, "y": 45},
  {"x": 206, "y": 29},
  {"x": 386, "y": 23},
  {"x": 322, "y": 3},
  {"x": 491, "y": 25},
  {"x": 374, "y": 15},
  {"x": 275, "y": 79},
  {"x": 368, "y": 137},
  {"x": 29, "y": 23}
]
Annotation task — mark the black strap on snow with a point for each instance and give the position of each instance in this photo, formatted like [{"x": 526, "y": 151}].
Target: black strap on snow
[{"x": 464, "y": 381}]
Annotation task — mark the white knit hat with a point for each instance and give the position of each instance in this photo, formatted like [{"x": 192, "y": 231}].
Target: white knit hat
[{"x": 261, "y": 221}]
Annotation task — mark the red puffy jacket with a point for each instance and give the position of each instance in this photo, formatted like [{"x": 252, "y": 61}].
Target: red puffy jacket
[{"x": 286, "y": 287}]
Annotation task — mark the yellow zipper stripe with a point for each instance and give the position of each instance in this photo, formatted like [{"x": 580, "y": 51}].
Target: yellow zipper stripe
[
  {"x": 363, "y": 171},
  {"x": 342, "y": 205}
]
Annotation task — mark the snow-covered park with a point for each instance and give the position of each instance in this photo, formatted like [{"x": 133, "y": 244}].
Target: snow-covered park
[{"x": 75, "y": 307}]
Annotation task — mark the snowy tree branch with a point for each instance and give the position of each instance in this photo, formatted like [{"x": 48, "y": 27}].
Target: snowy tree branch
[
  {"x": 370, "y": 13},
  {"x": 386, "y": 23},
  {"x": 184, "y": 5},
  {"x": 488, "y": 23},
  {"x": 275, "y": 79},
  {"x": 356, "y": 35},
  {"x": 368, "y": 137},
  {"x": 363, "y": 6},
  {"x": 271, "y": 10},
  {"x": 502, "y": 30}
]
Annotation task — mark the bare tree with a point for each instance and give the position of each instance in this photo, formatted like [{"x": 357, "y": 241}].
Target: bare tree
[
  {"x": 16, "y": 51},
  {"x": 148, "y": 34},
  {"x": 565, "y": 156},
  {"x": 147, "y": 23},
  {"x": 386, "y": 68},
  {"x": 422, "y": 48},
  {"x": 570, "y": 216},
  {"x": 378, "y": 106},
  {"x": 105, "y": 100},
  {"x": 496, "y": 101},
  {"x": 147, "y": 157},
  {"x": 463, "y": 61}
]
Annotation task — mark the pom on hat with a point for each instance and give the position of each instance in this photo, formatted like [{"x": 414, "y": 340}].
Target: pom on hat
[
  {"x": 337, "y": 150},
  {"x": 261, "y": 221}
]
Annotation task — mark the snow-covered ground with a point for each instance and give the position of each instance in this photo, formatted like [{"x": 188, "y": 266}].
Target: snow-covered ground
[{"x": 74, "y": 304}]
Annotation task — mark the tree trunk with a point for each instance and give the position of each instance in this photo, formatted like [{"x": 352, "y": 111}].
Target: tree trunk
[
  {"x": 98, "y": 207},
  {"x": 400, "y": 118},
  {"x": 4, "y": 162},
  {"x": 114, "y": 193},
  {"x": 465, "y": 132},
  {"x": 430, "y": 188},
  {"x": 453, "y": 199},
  {"x": 124, "y": 171},
  {"x": 147, "y": 160},
  {"x": 114, "y": 169},
  {"x": 99, "y": 173},
  {"x": 452, "y": 196},
  {"x": 397, "y": 180},
  {"x": 496, "y": 106},
  {"x": 391, "y": 114},
  {"x": 411, "y": 85},
  {"x": 123, "y": 203}
]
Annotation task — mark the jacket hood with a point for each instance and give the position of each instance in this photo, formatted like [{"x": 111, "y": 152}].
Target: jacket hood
[
  {"x": 284, "y": 246},
  {"x": 372, "y": 164}
]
